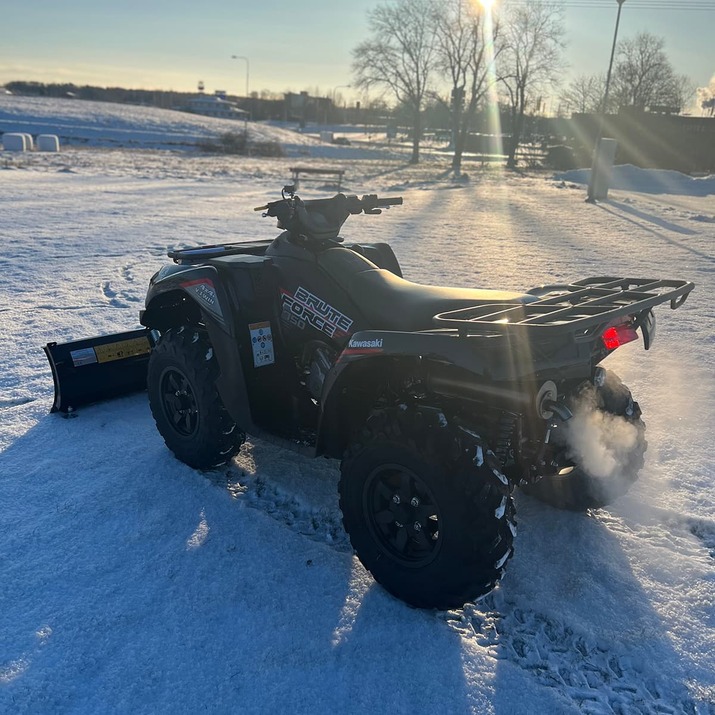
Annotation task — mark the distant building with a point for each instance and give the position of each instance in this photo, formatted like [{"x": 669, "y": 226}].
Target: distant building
[{"x": 215, "y": 106}]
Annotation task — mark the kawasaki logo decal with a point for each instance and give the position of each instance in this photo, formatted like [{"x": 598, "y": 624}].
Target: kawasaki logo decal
[
  {"x": 377, "y": 343},
  {"x": 362, "y": 347}
]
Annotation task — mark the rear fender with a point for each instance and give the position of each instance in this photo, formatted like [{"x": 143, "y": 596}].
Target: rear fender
[{"x": 366, "y": 364}]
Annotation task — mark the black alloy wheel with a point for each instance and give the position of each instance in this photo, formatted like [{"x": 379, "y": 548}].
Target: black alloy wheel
[
  {"x": 402, "y": 515},
  {"x": 179, "y": 402}
]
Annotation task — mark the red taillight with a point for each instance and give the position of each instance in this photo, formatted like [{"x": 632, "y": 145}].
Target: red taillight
[{"x": 618, "y": 335}]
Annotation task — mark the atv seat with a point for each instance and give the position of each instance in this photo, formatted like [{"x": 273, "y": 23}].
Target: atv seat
[{"x": 392, "y": 303}]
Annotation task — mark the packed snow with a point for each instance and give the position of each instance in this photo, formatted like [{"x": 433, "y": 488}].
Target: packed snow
[{"x": 131, "y": 583}]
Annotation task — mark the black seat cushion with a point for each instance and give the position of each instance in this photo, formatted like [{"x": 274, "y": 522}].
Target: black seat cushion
[{"x": 392, "y": 303}]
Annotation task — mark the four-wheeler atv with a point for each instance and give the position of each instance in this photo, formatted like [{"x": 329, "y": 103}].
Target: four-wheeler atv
[{"x": 437, "y": 401}]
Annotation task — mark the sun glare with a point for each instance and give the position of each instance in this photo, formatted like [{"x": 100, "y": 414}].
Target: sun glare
[{"x": 486, "y": 4}]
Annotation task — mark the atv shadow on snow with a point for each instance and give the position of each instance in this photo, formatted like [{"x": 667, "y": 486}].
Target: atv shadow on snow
[{"x": 146, "y": 573}]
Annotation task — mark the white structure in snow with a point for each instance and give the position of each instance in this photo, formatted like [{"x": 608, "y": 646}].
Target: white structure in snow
[
  {"x": 14, "y": 142},
  {"x": 48, "y": 142},
  {"x": 215, "y": 106}
]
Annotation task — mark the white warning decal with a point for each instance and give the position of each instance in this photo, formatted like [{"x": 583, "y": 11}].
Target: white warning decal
[{"x": 262, "y": 344}]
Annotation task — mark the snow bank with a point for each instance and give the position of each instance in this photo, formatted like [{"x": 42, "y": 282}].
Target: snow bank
[{"x": 627, "y": 177}]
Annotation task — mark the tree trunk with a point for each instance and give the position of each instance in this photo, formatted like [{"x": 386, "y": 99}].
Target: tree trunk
[
  {"x": 465, "y": 120},
  {"x": 516, "y": 132},
  {"x": 460, "y": 141},
  {"x": 457, "y": 160},
  {"x": 417, "y": 133}
]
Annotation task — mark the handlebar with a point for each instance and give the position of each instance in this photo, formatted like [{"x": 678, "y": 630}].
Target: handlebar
[
  {"x": 394, "y": 201},
  {"x": 367, "y": 202},
  {"x": 322, "y": 219}
]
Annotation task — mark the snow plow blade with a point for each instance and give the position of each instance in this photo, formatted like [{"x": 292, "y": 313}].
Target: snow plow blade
[{"x": 99, "y": 368}]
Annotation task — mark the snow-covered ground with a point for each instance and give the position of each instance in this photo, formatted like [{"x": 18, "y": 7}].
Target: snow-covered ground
[
  {"x": 104, "y": 124},
  {"x": 131, "y": 583}
]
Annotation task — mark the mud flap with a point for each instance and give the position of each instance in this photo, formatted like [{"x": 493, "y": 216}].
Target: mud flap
[{"x": 99, "y": 368}]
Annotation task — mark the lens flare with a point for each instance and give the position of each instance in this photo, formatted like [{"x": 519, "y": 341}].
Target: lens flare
[{"x": 493, "y": 118}]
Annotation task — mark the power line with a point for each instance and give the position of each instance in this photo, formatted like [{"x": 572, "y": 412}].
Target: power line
[{"x": 685, "y": 5}]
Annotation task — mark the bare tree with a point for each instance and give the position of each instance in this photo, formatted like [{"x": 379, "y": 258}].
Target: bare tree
[
  {"x": 584, "y": 93},
  {"x": 531, "y": 60},
  {"x": 465, "y": 56},
  {"x": 644, "y": 77},
  {"x": 400, "y": 57}
]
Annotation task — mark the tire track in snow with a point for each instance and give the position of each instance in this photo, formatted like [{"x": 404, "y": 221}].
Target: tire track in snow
[
  {"x": 259, "y": 490},
  {"x": 666, "y": 528},
  {"x": 7, "y": 403},
  {"x": 598, "y": 678}
]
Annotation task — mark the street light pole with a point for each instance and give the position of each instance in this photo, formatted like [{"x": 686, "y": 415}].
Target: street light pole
[
  {"x": 604, "y": 108},
  {"x": 245, "y": 59}
]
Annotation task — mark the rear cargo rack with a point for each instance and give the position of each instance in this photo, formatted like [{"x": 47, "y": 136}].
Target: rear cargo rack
[{"x": 580, "y": 308}]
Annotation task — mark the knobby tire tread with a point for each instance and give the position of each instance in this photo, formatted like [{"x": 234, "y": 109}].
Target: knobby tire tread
[
  {"x": 473, "y": 495},
  {"x": 218, "y": 439}
]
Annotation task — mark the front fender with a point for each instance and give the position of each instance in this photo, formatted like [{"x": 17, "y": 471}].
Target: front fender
[
  {"x": 178, "y": 292},
  {"x": 179, "y": 295}
]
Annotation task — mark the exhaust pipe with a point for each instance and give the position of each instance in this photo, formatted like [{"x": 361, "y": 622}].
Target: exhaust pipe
[
  {"x": 453, "y": 382},
  {"x": 561, "y": 411}
]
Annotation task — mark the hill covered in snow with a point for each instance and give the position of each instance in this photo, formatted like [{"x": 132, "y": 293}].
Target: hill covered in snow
[{"x": 108, "y": 125}]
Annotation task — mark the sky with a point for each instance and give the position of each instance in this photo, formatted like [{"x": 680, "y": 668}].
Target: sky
[{"x": 174, "y": 44}]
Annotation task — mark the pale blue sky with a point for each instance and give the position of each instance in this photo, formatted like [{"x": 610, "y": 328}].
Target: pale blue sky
[{"x": 172, "y": 44}]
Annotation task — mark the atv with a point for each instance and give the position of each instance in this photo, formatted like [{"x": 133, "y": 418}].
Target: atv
[{"x": 438, "y": 401}]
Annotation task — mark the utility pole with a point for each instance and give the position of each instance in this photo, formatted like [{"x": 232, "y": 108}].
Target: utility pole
[{"x": 591, "y": 199}]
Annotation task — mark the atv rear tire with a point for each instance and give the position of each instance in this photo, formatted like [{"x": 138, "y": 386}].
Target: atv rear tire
[
  {"x": 185, "y": 403},
  {"x": 574, "y": 488},
  {"x": 427, "y": 509}
]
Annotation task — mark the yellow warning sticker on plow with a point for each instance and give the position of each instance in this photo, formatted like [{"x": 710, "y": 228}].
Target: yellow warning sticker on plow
[{"x": 122, "y": 349}]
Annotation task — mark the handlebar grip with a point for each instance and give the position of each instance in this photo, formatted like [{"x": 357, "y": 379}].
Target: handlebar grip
[{"x": 394, "y": 201}]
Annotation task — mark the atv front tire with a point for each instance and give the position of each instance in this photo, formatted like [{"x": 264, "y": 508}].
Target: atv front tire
[
  {"x": 427, "y": 509},
  {"x": 185, "y": 403},
  {"x": 575, "y": 487}
]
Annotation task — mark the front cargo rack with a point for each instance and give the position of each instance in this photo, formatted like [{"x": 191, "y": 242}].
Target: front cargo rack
[
  {"x": 581, "y": 308},
  {"x": 201, "y": 254}
]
